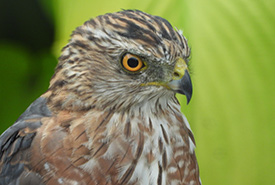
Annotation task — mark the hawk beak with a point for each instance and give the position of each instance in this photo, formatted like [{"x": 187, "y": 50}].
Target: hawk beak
[{"x": 181, "y": 81}]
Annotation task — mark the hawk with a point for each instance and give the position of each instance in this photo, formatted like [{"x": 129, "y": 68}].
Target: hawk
[{"x": 110, "y": 114}]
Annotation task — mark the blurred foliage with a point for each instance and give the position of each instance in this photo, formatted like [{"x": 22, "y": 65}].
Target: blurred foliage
[
  {"x": 233, "y": 54},
  {"x": 27, "y": 62},
  {"x": 233, "y": 47}
]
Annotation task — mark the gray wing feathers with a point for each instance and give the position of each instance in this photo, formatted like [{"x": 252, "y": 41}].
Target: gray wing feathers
[{"x": 13, "y": 144}]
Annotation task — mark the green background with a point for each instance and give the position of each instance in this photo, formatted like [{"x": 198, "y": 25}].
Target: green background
[{"x": 232, "y": 112}]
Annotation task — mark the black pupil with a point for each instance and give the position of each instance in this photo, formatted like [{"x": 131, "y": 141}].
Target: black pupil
[{"x": 132, "y": 62}]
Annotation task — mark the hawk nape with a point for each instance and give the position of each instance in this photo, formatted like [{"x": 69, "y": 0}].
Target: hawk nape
[{"x": 110, "y": 115}]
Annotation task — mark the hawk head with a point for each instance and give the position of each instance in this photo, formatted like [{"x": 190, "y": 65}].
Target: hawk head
[{"x": 122, "y": 60}]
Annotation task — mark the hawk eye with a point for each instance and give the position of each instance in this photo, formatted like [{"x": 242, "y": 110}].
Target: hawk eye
[{"x": 131, "y": 62}]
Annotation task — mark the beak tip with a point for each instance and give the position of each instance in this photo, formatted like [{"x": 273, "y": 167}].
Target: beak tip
[
  {"x": 187, "y": 87},
  {"x": 188, "y": 97}
]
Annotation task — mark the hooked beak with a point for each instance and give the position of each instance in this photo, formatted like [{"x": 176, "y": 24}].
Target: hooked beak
[{"x": 181, "y": 81}]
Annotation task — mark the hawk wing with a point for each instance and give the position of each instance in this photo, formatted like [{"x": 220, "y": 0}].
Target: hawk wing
[{"x": 15, "y": 145}]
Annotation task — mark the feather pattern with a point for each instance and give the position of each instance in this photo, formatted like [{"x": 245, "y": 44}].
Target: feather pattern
[{"x": 98, "y": 124}]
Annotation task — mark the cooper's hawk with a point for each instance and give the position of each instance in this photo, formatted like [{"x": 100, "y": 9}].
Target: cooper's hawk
[{"x": 110, "y": 115}]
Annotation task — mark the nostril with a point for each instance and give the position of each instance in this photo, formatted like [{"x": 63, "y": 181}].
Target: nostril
[{"x": 176, "y": 74}]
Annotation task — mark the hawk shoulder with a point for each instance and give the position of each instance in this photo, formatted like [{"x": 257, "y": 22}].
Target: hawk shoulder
[{"x": 15, "y": 142}]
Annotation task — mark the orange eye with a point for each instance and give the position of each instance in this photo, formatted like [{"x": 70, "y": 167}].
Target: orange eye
[{"x": 131, "y": 62}]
